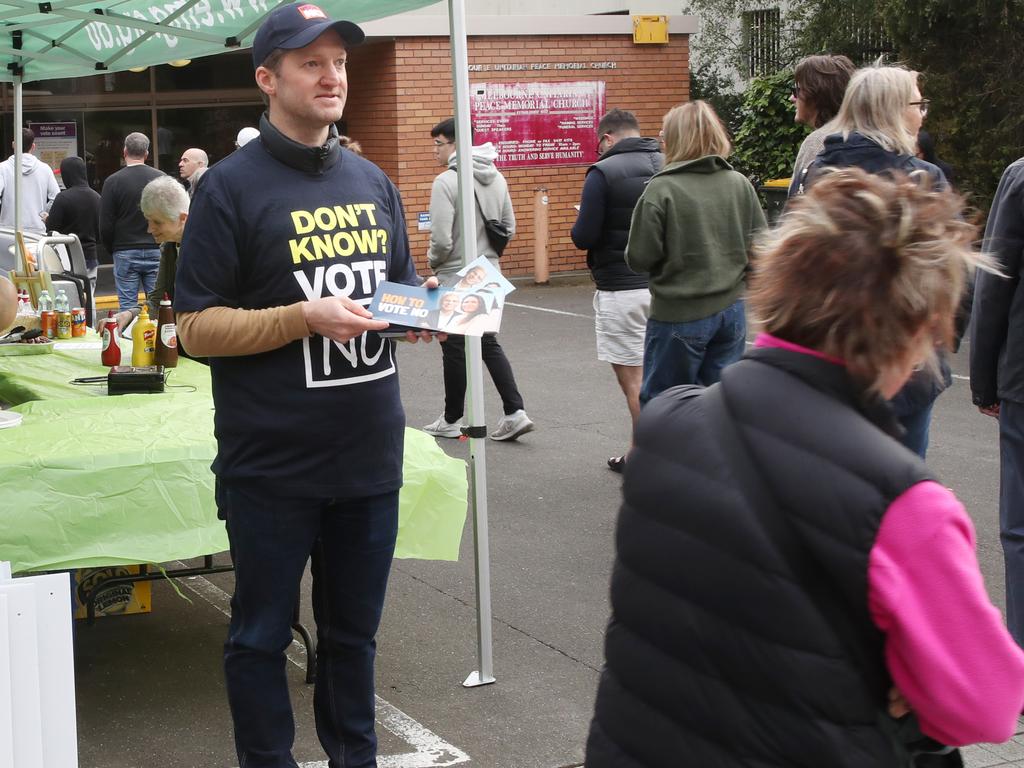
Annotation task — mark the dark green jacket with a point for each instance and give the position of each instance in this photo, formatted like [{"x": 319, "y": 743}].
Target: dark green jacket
[{"x": 691, "y": 232}]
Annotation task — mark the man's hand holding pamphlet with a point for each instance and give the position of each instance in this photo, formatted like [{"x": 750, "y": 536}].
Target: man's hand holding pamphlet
[{"x": 468, "y": 304}]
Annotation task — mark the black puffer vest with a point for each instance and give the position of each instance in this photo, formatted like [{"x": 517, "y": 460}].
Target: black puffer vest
[
  {"x": 717, "y": 656},
  {"x": 627, "y": 167}
]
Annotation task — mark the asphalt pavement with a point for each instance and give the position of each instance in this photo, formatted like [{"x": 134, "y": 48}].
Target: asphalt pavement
[{"x": 150, "y": 688}]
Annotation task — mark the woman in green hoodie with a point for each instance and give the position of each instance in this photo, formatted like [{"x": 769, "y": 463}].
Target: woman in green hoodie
[{"x": 691, "y": 232}]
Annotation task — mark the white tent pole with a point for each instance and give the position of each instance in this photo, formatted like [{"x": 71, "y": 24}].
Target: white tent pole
[
  {"x": 484, "y": 673},
  {"x": 18, "y": 149}
]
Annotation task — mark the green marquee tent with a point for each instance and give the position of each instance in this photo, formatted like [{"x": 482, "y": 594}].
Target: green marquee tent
[{"x": 69, "y": 38}]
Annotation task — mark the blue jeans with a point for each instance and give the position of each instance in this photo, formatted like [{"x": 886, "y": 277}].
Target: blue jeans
[
  {"x": 134, "y": 268},
  {"x": 351, "y": 542},
  {"x": 693, "y": 352},
  {"x": 1011, "y": 512},
  {"x": 916, "y": 421}
]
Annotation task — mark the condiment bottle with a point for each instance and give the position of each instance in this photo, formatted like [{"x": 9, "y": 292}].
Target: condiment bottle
[
  {"x": 111, "y": 354},
  {"x": 144, "y": 339},
  {"x": 63, "y": 307},
  {"x": 166, "y": 335}
]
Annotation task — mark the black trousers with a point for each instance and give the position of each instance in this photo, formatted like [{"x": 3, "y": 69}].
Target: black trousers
[{"x": 453, "y": 353}]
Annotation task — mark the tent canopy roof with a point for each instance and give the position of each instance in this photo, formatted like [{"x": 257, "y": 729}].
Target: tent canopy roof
[{"x": 69, "y": 38}]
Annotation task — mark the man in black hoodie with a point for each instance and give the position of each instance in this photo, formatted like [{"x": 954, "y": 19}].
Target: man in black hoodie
[
  {"x": 622, "y": 301},
  {"x": 76, "y": 211}
]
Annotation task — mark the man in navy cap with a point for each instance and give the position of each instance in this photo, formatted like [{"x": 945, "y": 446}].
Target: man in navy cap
[{"x": 288, "y": 239}]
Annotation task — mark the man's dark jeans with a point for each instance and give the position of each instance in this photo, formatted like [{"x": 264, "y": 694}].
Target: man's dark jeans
[
  {"x": 1011, "y": 511},
  {"x": 351, "y": 542}
]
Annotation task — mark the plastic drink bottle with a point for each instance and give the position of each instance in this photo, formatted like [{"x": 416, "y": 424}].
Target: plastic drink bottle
[
  {"x": 63, "y": 307},
  {"x": 144, "y": 339},
  {"x": 47, "y": 317},
  {"x": 111, "y": 354},
  {"x": 166, "y": 335}
]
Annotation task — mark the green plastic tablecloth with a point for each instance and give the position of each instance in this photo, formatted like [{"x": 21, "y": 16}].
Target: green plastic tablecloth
[
  {"x": 91, "y": 481},
  {"x": 48, "y": 377}
]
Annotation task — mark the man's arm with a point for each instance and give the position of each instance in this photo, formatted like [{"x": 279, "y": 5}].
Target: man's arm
[
  {"x": 108, "y": 215},
  {"x": 586, "y": 232},
  {"x": 52, "y": 188},
  {"x": 508, "y": 215},
  {"x": 55, "y": 219},
  {"x": 993, "y": 295},
  {"x": 442, "y": 223}
]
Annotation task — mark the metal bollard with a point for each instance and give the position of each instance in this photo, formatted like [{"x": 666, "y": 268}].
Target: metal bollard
[{"x": 540, "y": 236}]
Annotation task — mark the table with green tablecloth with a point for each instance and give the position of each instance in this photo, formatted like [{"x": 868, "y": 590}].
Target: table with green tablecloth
[{"x": 89, "y": 479}]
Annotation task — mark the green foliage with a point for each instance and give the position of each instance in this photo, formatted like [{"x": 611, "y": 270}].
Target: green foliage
[
  {"x": 768, "y": 138},
  {"x": 971, "y": 58},
  {"x": 709, "y": 84}
]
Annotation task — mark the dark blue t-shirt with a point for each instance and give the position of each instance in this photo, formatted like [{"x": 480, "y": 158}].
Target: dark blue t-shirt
[{"x": 313, "y": 418}]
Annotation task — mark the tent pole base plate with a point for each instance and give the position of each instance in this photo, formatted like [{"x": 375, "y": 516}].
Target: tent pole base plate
[{"x": 475, "y": 680}]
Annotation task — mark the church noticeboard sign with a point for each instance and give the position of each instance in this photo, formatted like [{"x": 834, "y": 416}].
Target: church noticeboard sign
[{"x": 538, "y": 123}]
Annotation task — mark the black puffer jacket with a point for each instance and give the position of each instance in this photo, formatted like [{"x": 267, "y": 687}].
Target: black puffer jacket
[
  {"x": 861, "y": 152},
  {"x": 626, "y": 168},
  {"x": 717, "y": 654}
]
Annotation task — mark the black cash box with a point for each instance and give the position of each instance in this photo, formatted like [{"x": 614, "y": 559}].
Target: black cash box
[{"x": 128, "y": 379}]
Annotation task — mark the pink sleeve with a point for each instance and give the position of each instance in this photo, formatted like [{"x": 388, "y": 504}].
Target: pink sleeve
[{"x": 946, "y": 646}]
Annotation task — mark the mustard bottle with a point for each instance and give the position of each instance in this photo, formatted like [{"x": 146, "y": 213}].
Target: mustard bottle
[{"x": 144, "y": 339}]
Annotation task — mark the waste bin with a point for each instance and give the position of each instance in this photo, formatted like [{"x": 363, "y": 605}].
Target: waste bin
[{"x": 776, "y": 192}]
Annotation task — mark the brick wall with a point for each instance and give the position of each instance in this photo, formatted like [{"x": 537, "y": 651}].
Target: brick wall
[
  {"x": 402, "y": 88},
  {"x": 371, "y": 118}
]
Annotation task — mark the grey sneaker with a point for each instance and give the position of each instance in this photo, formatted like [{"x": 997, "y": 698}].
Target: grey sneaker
[
  {"x": 512, "y": 426},
  {"x": 442, "y": 428}
]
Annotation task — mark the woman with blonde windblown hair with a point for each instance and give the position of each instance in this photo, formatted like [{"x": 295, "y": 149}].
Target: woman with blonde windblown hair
[{"x": 791, "y": 586}]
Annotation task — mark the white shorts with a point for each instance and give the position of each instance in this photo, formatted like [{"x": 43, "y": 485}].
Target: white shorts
[{"x": 620, "y": 319}]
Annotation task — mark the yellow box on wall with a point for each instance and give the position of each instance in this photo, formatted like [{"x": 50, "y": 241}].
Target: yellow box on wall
[{"x": 650, "y": 29}]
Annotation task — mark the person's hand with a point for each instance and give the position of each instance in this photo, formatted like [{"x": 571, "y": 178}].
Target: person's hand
[
  {"x": 124, "y": 319},
  {"x": 990, "y": 410},
  {"x": 898, "y": 706},
  {"x": 431, "y": 283},
  {"x": 339, "y": 318},
  {"x": 413, "y": 336}
]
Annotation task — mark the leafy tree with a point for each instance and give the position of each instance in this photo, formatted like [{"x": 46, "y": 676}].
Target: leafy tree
[
  {"x": 768, "y": 138},
  {"x": 709, "y": 84},
  {"x": 971, "y": 59}
]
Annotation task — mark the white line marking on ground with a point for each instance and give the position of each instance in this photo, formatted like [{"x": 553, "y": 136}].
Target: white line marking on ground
[
  {"x": 431, "y": 750},
  {"x": 552, "y": 311}
]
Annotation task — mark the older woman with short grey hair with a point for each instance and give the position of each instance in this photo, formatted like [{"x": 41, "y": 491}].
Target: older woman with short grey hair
[{"x": 164, "y": 203}]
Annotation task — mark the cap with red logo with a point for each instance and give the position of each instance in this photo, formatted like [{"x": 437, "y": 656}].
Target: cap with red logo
[{"x": 296, "y": 26}]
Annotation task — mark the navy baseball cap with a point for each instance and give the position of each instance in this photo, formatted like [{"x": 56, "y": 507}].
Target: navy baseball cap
[{"x": 297, "y": 25}]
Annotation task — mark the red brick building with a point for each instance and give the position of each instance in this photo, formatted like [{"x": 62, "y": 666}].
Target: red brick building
[{"x": 400, "y": 85}]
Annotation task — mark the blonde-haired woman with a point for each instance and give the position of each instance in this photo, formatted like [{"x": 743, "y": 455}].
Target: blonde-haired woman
[
  {"x": 877, "y": 125},
  {"x": 691, "y": 232},
  {"x": 789, "y": 580},
  {"x": 876, "y": 131}
]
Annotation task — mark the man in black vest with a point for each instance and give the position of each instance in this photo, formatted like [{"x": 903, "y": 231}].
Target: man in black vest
[{"x": 622, "y": 301}]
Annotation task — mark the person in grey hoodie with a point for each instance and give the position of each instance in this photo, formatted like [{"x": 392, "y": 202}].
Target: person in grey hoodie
[
  {"x": 38, "y": 187},
  {"x": 445, "y": 257}
]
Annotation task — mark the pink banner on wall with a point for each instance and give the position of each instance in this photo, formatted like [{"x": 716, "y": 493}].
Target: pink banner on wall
[{"x": 538, "y": 123}]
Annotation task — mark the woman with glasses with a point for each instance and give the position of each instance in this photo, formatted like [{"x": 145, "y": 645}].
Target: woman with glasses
[
  {"x": 819, "y": 85},
  {"x": 691, "y": 232},
  {"x": 876, "y": 130}
]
